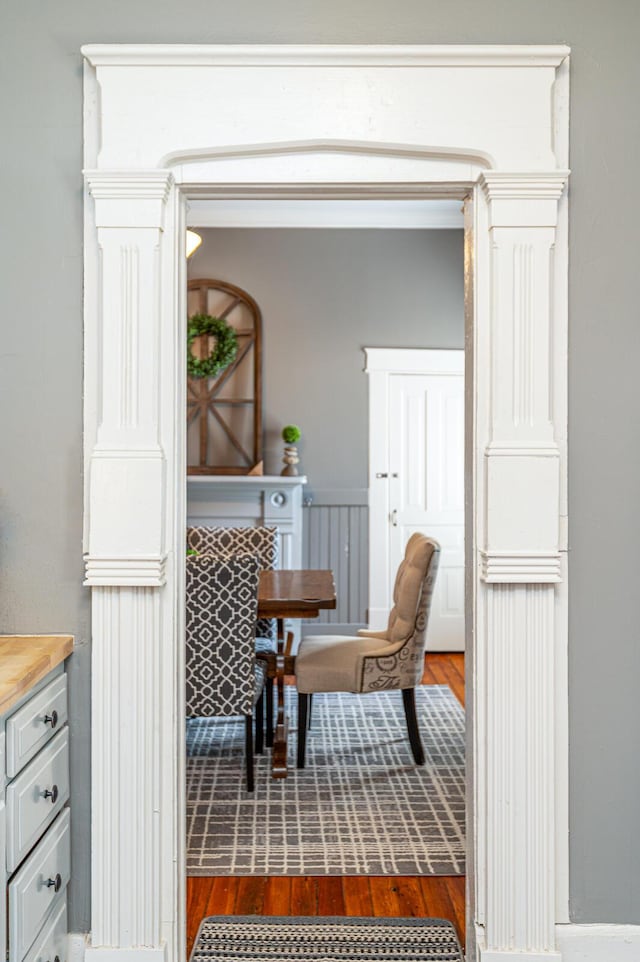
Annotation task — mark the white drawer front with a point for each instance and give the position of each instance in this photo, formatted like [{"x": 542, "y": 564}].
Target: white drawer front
[
  {"x": 37, "y": 885},
  {"x": 3, "y": 822},
  {"x": 51, "y": 944},
  {"x": 36, "y": 796},
  {"x": 31, "y": 727},
  {"x": 3, "y": 777}
]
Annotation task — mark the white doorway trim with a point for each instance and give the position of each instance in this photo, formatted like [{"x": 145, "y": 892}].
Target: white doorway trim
[
  {"x": 383, "y": 366},
  {"x": 490, "y": 124}
]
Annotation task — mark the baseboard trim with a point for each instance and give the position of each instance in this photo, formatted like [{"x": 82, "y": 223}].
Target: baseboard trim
[
  {"x": 576, "y": 943},
  {"x": 491, "y": 955},
  {"x": 141, "y": 954},
  {"x": 599, "y": 943},
  {"x": 76, "y": 946},
  {"x": 446, "y": 648}
]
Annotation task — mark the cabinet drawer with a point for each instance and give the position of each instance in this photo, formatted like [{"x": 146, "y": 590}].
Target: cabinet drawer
[
  {"x": 51, "y": 944},
  {"x": 36, "y": 796},
  {"x": 37, "y": 885},
  {"x": 3, "y": 913},
  {"x": 31, "y": 727},
  {"x": 3, "y": 755}
]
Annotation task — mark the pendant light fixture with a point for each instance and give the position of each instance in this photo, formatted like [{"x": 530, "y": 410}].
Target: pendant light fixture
[{"x": 193, "y": 242}]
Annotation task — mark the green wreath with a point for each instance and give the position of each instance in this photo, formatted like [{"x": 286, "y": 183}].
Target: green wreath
[{"x": 224, "y": 352}]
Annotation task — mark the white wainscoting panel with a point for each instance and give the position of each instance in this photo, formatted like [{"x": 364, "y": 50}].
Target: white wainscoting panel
[{"x": 336, "y": 536}]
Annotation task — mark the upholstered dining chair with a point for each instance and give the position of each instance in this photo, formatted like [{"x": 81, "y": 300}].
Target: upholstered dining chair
[
  {"x": 260, "y": 541},
  {"x": 376, "y": 660},
  {"x": 223, "y": 675}
]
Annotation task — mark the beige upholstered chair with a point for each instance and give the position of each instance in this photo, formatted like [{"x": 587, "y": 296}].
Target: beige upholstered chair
[{"x": 376, "y": 660}]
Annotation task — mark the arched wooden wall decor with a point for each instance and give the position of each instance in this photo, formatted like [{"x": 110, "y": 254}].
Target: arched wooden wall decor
[{"x": 224, "y": 413}]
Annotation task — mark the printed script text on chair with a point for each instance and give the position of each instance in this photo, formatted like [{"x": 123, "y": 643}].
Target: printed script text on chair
[
  {"x": 376, "y": 660},
  {"x": 261, "y": 542},
  {"x": 223, "y": 676}
]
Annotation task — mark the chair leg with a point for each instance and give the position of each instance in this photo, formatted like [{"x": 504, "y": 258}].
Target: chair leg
[
  {"x": 409, "y": 701},
  {"x": 248, "y": 741},
  {"x": 310, "y": 712},
  {"x": 303, "y": 708},
  {"x": 269, "y": 695},
  {"x": 259, "y": 713}
]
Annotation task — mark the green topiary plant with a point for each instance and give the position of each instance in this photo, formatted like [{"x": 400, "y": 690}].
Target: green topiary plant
[{"x": 291, "y": 434}]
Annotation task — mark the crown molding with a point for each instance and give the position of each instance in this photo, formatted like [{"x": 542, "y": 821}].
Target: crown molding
[
  {"x": 325, "y": 55},
  {"x": 143, "y": 571},
  {"x": 538, "y": 185},
  {"x": 129, "y": 184},
  {"x": 521, "y": 567}
]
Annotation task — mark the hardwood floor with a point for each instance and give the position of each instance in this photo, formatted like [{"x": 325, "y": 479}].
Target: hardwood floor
[{"x": 388, "y": 896}]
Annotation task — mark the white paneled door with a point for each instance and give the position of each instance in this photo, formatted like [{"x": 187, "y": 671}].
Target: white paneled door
[{"x": 417, "y": 481}]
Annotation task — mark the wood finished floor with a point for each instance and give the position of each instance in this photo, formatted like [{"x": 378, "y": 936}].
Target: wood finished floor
[{"x": 382, "y": 896}]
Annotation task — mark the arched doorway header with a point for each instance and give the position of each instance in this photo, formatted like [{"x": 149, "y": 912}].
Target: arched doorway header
[{"x": 285, "y": 121}]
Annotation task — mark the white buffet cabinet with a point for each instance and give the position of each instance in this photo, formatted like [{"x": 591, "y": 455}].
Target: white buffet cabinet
[
  {"x": 35, "y": 818},
  {"x": 240, "y": 500},
  {"x": 237, "y": 500}
]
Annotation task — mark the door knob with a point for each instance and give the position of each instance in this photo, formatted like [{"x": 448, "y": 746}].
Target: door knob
[
  {"x": 55, "y": 883},
  {"x": 394, "y": 518},
  {"x": 382, "y": 474}
]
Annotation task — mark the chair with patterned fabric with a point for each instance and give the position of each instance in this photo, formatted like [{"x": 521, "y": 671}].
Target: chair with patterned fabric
[
  {"x": 261, "y": 542},
  {"x": 376, "y": 660},
  {"x": 223, "y": 675}
]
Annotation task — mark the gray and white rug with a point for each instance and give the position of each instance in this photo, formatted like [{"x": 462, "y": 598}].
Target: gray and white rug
[
  {"x": 236, "y": 939},
  {"x": 360, "y": 807}
]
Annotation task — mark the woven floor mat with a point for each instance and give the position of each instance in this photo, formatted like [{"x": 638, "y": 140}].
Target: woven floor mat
[{"x": 314, "y": 939}]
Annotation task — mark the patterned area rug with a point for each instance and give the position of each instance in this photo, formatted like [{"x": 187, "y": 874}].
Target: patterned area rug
[
  {"x": 360, "y": 807},
  {"x": 231, "y": 939}
]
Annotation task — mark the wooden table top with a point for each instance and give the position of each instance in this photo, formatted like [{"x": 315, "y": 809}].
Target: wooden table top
[
  {"x": 25, "y": 660},
  {"x": 295, "y": 594}
]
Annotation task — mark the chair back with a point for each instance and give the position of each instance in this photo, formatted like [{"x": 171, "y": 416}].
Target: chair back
[
  {"x": 222, "y": 603},
  {"x": 259, "y": 541},
  {"x": 402, "y": 663}
]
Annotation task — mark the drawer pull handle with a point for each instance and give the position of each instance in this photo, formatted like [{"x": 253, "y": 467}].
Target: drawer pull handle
[
  {"x": 51, "y": 719},
  {"x": 55, "y": 882},
  {"x": 53, "y": 794}
]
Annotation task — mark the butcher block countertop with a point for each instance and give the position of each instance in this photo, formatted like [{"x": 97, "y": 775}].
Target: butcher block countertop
[{"x": 25, "y": 660}]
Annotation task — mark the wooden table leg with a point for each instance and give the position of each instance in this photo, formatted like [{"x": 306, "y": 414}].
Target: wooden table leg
[{"x": 279, "y": 751}]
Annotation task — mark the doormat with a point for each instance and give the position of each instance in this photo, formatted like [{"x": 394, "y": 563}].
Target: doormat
[{"x": 314, "y": 939}]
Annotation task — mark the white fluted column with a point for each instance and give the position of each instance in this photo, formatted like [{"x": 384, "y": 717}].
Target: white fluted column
[
  {"x": 520, "y": 567},
  {"x": 126, "y": 768},
  {"x": 131, "y": 544}
]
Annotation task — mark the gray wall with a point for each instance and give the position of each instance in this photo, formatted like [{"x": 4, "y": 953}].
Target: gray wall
[
  {"x": 41, "y": 354},
  {"x": 324, "y": 295}
]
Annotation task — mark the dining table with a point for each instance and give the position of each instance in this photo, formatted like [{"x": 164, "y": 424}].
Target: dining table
[{"x": 285, "y": 594}]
